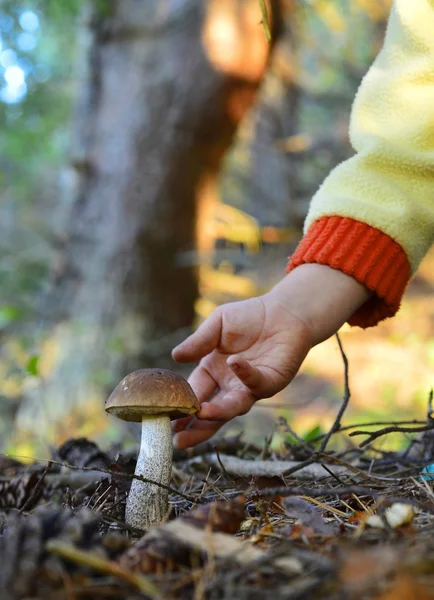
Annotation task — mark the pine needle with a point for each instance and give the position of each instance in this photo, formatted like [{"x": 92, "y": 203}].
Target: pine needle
[{"x": 265, "y": 21}]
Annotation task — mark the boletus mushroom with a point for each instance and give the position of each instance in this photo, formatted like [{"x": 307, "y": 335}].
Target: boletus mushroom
[{"x": 152, "y": 397}]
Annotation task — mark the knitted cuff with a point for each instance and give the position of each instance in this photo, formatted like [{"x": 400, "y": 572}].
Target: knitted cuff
[{"x": 365, "y": 253}]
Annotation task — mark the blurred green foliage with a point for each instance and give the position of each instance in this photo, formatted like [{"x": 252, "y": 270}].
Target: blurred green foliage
[{"x": 36, "y": 59}]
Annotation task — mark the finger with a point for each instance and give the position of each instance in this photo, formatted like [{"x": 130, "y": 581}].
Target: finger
[
  {"x": 252, "y": 377},
  {"x": 203, "y": 341},
  {"x": 202, "y": 383},
  {"x": 228, "y": 406},
  {"x": 182, "y": 423},
  {"x": 198, "y": 432}
]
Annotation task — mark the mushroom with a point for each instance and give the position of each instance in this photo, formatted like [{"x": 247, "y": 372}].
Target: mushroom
[{"x": 152, "y": 397}]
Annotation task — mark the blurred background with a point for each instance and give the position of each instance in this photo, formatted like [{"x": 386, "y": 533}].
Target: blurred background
[{"x": 157, "y": 159}]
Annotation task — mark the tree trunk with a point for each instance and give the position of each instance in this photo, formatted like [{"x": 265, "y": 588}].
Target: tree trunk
[{"x": 166, "y": 85}]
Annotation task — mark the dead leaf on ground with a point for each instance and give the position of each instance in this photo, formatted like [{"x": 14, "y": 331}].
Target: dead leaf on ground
[
  {"x": 406, "y": 587},
  {"x": 307, "y": 514},
  {"x": 362, "y": 570},
  {"x": 225, "y": 517}
]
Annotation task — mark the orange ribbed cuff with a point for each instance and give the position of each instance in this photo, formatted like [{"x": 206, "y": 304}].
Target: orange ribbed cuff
[{"x": 365, "y": 253}]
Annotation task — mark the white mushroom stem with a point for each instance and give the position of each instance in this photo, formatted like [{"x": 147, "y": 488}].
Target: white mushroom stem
[{"x": 147, "y": 504}]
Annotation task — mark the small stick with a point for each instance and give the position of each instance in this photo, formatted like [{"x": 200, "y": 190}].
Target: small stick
[
  {"x": 325, "y": 467},
  {"x": 371, "y": 424},
  {"x": 35, "y": 490},
  {"x": 337, "y": 424},
  {"x": 313, "y": 493},
  {"x": 266, "y": 448},
  {"x": 265, "y": 22},
  {"x": 283, "y": 423},
  {"x": 429, "y": 425},
  {"x": 376, "y": 434},
  {"x": 87, "y": 559},
  {"x": 222, "y": 465},
  {"x": 429, "y": 416},
  {"x": 113, "y": 474}
]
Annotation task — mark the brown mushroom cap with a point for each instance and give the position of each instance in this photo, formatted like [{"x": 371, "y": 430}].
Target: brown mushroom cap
[{"x": 152, "y": 392}]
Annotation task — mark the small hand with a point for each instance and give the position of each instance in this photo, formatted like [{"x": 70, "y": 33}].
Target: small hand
[{"x": 247, "y": 350}]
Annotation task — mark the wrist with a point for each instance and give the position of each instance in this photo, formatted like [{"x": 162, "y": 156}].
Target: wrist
[{"x": 322, "y": 297}]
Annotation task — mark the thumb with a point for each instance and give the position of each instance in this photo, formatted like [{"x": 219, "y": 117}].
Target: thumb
[{"x": 203, "y": 341}]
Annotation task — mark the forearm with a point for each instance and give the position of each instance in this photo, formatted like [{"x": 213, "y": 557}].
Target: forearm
[{"x": 324, "y": 298}]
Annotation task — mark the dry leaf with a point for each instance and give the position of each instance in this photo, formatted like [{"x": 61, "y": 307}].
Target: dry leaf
[
  {"x": 190, "y": 540},
  {"x": 225, "y": 517},
  {"x": 362, "y": 570},
  {"x": 307, "y": 514},
  {"x": 406, "y": 587}
]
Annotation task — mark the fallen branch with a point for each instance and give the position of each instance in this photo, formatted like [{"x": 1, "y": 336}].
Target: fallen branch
[
  {"x": 272, "y": 468},
  {"x": 115, "y": 474}
]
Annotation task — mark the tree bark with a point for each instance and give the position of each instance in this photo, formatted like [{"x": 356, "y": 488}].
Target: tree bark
[
  {"x": 166, "y": 85},
  {"x": 155, "y": 119}
]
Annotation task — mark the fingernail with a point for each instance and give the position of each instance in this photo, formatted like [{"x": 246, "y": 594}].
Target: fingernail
[{"x": 234, "y": 366}]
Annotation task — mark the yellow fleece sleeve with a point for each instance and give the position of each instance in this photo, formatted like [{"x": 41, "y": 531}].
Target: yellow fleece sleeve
[{"x": 389, "y": 182}]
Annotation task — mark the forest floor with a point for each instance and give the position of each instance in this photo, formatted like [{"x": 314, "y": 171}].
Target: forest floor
[{"x": 245, "y": 522}]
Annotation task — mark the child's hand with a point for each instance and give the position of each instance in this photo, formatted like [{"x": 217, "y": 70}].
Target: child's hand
[
  {"x": 252, "y": 349},
  {"x": 249, "y": 350}
]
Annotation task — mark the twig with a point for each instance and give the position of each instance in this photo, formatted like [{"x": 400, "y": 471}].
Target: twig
[
  {"x": 429, "y": 426},
  {"x": 112, "y": 473},
  {"x": 358, "y": 472},
  {"x": 225, "y": 473},
  {"x": 284, "y": 492},
  {"x": 370, "y": 424},
  {"x": 283, "y": 423},
  {"x": 332, "y": 474},
  {"x": 314, "y": 493},
  {"x": 105, "y": 518},
  {"x": 429, "y": 416},
  {"x": 267, "y": 444},
  {"x": 265, "y": 22},
  {"x": 337, "y": 424},
  {"x": 35, "y": 490},
  {"x": 88, "y": 559},
  {"x": 376, "y": 434}
]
